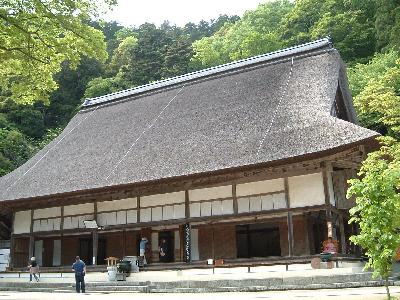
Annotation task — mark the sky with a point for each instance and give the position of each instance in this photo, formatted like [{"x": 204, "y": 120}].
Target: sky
[{"x": 178, "y": 12}]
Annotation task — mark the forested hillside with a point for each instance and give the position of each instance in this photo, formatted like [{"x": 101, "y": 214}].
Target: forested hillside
[{"x": 366, "y": 32}]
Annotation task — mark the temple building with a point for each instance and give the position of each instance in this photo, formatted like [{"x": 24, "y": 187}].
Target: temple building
[{"x": 243, "y": 161}]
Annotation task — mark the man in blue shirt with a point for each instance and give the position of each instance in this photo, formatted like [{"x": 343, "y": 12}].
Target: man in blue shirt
[
  {"x": 80, "y": 270},
  {"x": 142, "y": 251}
]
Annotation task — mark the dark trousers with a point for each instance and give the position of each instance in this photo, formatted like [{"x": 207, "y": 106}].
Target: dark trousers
[
  {"x": 34, "y": 274},
  {"x": 80, "y": 283}
]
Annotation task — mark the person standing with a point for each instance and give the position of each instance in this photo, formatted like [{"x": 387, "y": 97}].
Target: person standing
[
  {"x": 33, "y": 269},
  {"x": 163, "y": 251},
  {"x": 79, "y": 268},
  {"x": 142, "y": 251}
]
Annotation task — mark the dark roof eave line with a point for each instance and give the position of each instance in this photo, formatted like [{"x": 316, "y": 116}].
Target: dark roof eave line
[{"x": 94, "y": 191}]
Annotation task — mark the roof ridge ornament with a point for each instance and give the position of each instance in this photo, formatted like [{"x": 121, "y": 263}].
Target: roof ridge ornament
[{"x": 270, "y": 56}]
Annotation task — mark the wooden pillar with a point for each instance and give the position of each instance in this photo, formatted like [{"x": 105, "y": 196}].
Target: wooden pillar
[
  {"x": 123, "y": 242},
  {"x": 342, "y": 235},
  {"x": 325, "y": 169},
  {"x": 12, "y": 243},
  {"x": 289, "y": 217},
  {"x": 31, "y": 237},
  {"x": 95, "y": 236},
  {"x": 213, "y": 242},
  {"x": 138, "y": 210},
  {"x": 187, "y": 205},
  {"x": 62, "y": 234},
  {"x": 234, "y": 197}
]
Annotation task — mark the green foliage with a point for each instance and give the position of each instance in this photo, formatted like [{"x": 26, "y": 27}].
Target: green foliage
[
  {"x": 378, "y": 206},
  {"x": 349, "y": 23},
  {"x": 255, "y": 33},
  {"x": 376, "y": 89},
  {"x": 37, "y": 36},
  {"x": 387, "y": 24},
  {"x": 14, "y": 150}
]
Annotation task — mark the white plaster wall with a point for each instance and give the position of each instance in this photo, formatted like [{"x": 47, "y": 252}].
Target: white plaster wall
[
  {"x": 87, "y": 208},
  {"x": 255, "y": 203},
  {"x": 267, "y": 202},
  {"x": 179, "y": 211},
  {"x": 205, "y": 209},
  {"x": 194, "y": 209},
  {"x": 194, "y": 244},
  {"x": 216, "y": 208},
  {"x": 306, "y": 190},
  {"x": 131, "y": 216},
  {"x": 156, "y": 214},
  {"x": 22, "y": 222},
  {"x": 168, "y": 212},
  {"x": 47, "y": 213},
  {"x": 145, "y": 215},
  {"x": 210, "y": 193},
  {"x": 260, "y": 187},
  {"x": 162, "y": 199},
  {"x": 117, "y": 204},
  {"x": 121, "y": 217},
  {"x": 243, "y": 204},
  {"x": 227, "y": 207},
  {"x": 279, "y": 200}
]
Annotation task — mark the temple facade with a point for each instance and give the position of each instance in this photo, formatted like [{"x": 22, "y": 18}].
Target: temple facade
[{"x": 243, "y": 161}]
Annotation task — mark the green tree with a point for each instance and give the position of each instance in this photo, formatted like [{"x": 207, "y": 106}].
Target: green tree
[
  {"x": 377, "y": 207},
  {"x": 255, "y": 33},
  {"x": 376, "y": 89},
  {"x": 349, "y": 23},
  {"x": 15, "y": 149},
  {"x": 387, "y": 24},
  {"x": 37, "y": 36}
]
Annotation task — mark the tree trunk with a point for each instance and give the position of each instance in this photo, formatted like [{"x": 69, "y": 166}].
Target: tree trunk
[{"x": 387, "y": 287}]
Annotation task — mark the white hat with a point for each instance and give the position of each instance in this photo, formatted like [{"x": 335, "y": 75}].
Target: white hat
[{"x": 33, "y": 258}]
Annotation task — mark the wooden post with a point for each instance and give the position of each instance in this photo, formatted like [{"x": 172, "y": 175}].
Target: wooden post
[
  {"x": 342, "y": 235},
  {"x": 138, "y": 210},
  {"x": 31, "y": 238},
  {"x": 325, "y": 168},
  {"x": 123, "y": 242},
  {"x": 289, "y": 217},
  {"x": 95, "y": 236},
  {"x": 212, "y": 242},
  {"x": 95, "y": 245},
  {"x": 12, "y": 243},
  {"x": 235, "y": 202},
  {"x": 62, "y": 234},
  {"x": 187, "y": 205}
]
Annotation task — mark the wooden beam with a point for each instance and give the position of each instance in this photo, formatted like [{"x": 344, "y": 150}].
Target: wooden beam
[
  {"x": 187, "y": 205},
  {"x": 235, "y": 202},
  {"x": 289, "y": 217}
]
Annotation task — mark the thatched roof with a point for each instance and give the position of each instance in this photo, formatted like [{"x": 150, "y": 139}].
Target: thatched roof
[{"x": 264, "y": 109}]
